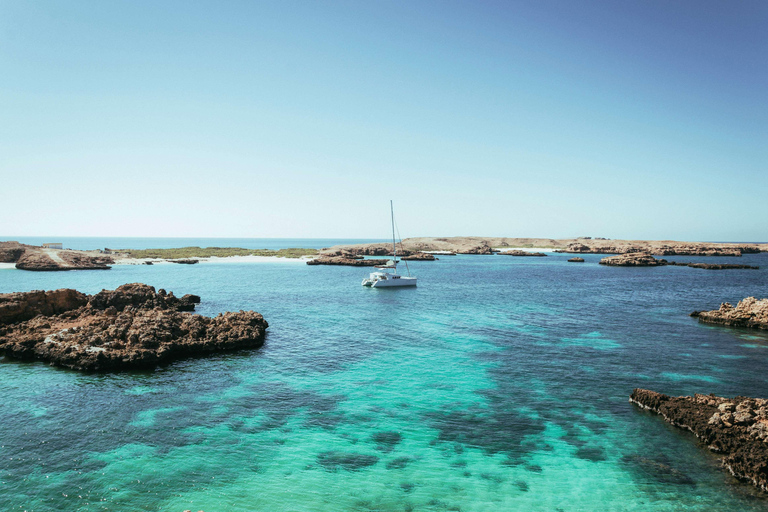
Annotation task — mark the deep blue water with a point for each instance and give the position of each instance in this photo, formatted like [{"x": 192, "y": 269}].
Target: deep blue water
[{"x": 500, "y": 383}]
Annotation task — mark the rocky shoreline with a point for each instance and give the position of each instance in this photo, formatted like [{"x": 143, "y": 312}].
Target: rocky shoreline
[
  {"x": 128, "y": 328},
  {"x": 737, "y": 428},
  {"x": 749, "y": 312},
  {"x": 647, "y": 260}
]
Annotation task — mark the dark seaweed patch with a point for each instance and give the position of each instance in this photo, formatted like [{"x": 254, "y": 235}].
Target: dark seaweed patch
[
  {"x": 498, "y": 431},
  {"x": 522, "y": 485},
  {"x": 335, "y": 460},
  {"x": 534, "y": 468},
  {"x": 398, "y": 463},
  {"x": 386, "y": 441},
  {"x": 407, "y": 486},
  {"x": 658, "y": 469},
  {"x": 591, "y": 453}
]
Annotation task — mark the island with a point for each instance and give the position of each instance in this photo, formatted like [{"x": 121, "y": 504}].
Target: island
[
  {"x": 737, "y": 428},
  {"x": 491, "y": 245},
  {"x": 130, "y": 327}
]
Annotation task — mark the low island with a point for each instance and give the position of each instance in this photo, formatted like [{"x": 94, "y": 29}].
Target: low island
[{"x": 131, "y": 327}]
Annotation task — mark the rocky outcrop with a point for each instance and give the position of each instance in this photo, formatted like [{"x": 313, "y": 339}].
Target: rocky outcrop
[
  {"x": 340, "y": 260},
  {"x": 713, "y": 266},
  {"x": 10, "y": 252},
  {"x": 642, "y": 259},
  {"x": 576, "y": 260},
  {"x": 419, "y": 256},
  {"x": 186, "y": 261},
  {"x": 521, "y": 253},
  {"x": 749, "y": 312},
  {"x": 130, "y": 327},
  {"x": 483, "y": 248},
  {"x": 737, "y": 428},
  {"x": 18, "y": 307}
]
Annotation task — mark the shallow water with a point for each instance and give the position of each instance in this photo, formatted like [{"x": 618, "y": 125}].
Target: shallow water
[{"x": 500, "y": 383}]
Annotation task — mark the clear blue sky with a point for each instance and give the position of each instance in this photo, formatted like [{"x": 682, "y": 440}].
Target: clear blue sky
[{"x": 623, "y": 119}]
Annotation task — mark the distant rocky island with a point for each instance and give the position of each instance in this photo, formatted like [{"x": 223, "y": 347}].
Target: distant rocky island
[
  {"x": 736, "y": 428},
  {"x": 637, "y": 252},
  {"x": 131, "y": 327},
  {"x": 583, "y": 245}
]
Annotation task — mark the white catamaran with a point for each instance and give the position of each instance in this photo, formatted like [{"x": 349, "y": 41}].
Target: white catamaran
[{"x": 387, "y": 274}]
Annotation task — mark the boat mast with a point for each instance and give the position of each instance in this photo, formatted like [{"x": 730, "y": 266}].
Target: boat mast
[{"x": 394, "y": 246}]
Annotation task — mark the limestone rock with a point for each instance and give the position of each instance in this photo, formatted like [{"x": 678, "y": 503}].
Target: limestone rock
[
  {"x": 642, "y": 259},
  {"x": 749, "y": 312}
]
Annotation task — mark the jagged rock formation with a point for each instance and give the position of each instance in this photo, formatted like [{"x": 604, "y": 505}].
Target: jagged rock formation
[
  {"x": 351, "y": 262},
  {"x": 576, "y": 260},
  {"x": 18, "y": 307},
  {"x": 130, "y": 327},
  {"x": 521, "y": 253},
  {"x": 642, "y": 259},
  {"x": 749, "y": 312},
  {"x": 736, "y": 428}
]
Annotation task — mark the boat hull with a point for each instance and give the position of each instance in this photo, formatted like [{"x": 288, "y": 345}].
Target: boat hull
[{"x": 390, "y": 283}]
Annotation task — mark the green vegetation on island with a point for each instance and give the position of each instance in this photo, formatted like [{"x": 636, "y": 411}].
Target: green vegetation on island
[{"x": 209, "y": 252}]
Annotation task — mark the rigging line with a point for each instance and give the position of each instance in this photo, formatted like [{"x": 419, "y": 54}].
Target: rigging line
[{"x": 403, "y": 248}]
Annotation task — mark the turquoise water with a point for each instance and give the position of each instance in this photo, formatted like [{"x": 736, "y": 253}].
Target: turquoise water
[{"x": 498, "y": 384}]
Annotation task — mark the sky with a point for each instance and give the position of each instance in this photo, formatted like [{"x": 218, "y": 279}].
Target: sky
[{"x": 619, "y": 119}]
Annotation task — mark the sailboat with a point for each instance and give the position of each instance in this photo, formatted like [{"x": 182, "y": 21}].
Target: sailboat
[{"x": 387, "y": 275}]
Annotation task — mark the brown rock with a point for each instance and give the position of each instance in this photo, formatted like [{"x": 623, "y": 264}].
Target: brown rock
[
  {"x": 740, "y": 437},
  {"x": 130, "y": 327},
  {"x": 749, "y": 312},
  {"x": 419, "y": 256},
  {"x": 576, "y": 260},
  {"x": 632, "y": 260},
  {"x": 17, "y": 307}
]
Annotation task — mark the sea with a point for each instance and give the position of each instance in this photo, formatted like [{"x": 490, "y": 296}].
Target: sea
[{"x": 498, "y": 384}]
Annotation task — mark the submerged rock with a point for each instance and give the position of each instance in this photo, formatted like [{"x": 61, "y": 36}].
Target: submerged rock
[
  {"x": 749, "y": 312},
  {"x": 737, "y": 428},
  {"x": 130, "y": 327}
]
